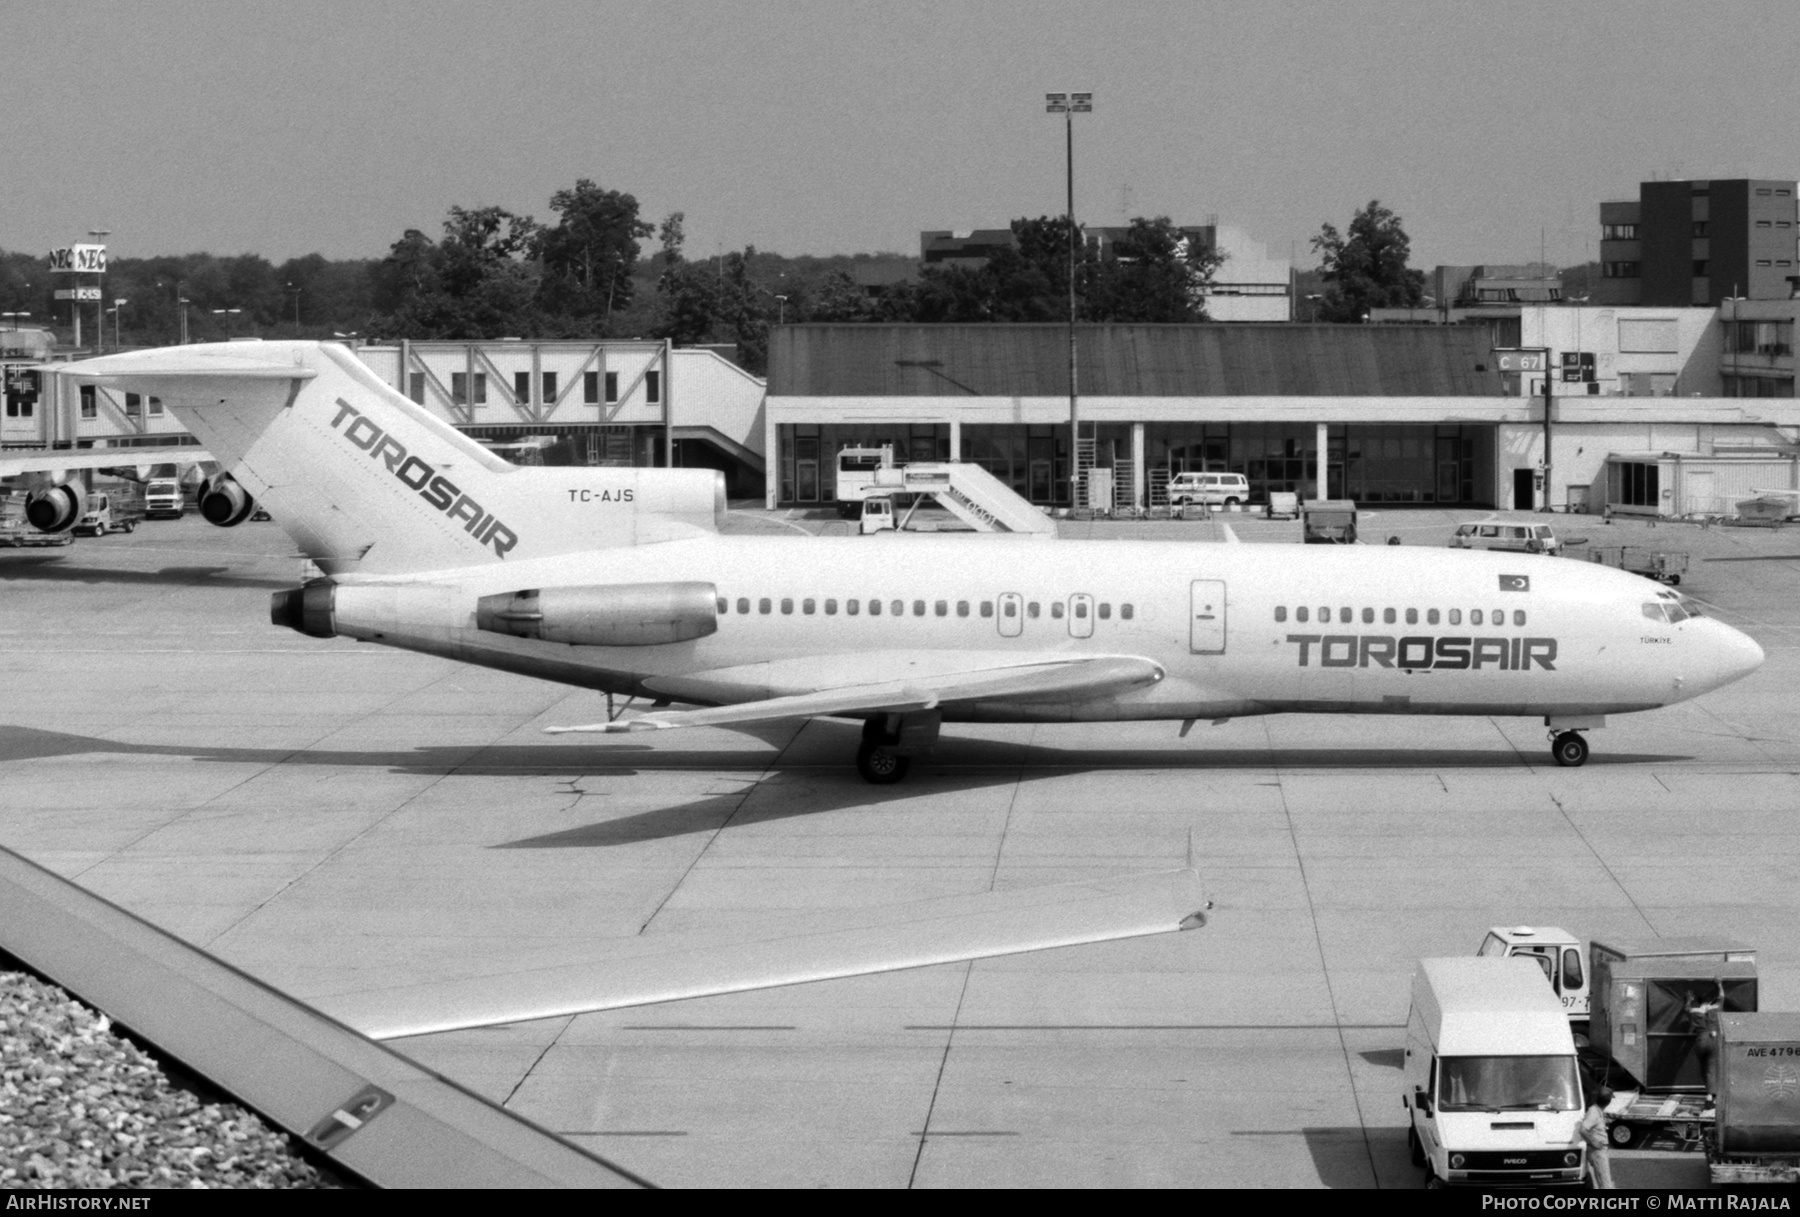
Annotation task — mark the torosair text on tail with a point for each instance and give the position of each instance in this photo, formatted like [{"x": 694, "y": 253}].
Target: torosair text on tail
[{"x": 368, "y": 482}]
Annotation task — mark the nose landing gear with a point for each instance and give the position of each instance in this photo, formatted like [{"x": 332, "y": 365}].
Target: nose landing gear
[{"x": 1569, "y": 749}]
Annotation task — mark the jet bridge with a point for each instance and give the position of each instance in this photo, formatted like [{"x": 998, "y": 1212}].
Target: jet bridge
[{"x": 969, "y": 492}]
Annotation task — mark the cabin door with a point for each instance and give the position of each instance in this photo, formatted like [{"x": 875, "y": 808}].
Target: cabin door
[{"x": 1206, "y": 617}]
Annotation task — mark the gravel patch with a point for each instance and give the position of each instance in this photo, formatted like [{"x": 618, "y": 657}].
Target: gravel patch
[{"x": 80, "y": 1107}]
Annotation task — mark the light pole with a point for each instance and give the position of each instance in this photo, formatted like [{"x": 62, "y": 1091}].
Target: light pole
[
  {"x": 296, "y": 292},
  {"x": 99, "y": 234},
  {"x": 1069, "y": 105},
  {"x": 780, "y": 310},
  {"x": 227, "y": 313},
  {"x": 15, "y": 318},
  {"x": 118, "y": 303}
]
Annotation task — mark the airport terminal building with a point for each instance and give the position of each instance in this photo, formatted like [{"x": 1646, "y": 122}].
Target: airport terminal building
[{"x": 1403, "y": 414}]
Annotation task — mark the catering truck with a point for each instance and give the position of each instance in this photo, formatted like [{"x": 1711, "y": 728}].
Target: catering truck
[{"x": 1491, "y": 1081}]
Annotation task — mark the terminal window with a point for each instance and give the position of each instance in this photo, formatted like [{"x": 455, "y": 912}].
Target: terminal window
[
  {"x": 612, "y": 387},
  {"x": 653, "y": 386},
  {"x": 590, "y": 388},
  {"x": 549, "y": 388},
  {"x": 459, "y": 388},
  {"x": 522, "y": 387},
  {"x": 415, "y": 387}
]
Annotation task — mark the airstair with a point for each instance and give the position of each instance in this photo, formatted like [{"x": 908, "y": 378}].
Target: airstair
[{"x": 969, "y": 492}]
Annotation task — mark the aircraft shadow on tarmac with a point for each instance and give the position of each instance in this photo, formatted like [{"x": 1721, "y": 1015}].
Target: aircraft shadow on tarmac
[
  {"x": 962, "y": 765},
  {"x": 52, "y": 569}
]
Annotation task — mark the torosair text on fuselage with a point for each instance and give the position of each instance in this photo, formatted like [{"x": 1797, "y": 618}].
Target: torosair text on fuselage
[
  {"x": 1418, "y": 652},
  {"x": 424, "y": 479}
]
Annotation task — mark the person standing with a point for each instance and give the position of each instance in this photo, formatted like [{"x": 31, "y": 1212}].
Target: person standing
[
  {"x": 1704, "y": 1015},
  {"x": 1596, "y": 1133}
]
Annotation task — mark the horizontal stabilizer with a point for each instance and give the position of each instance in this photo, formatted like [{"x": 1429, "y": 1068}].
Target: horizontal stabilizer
[
  {"x": 186, "y": 363},
  {"x": 1058, "y": 679},
  {"x": 810, "y": 947}
]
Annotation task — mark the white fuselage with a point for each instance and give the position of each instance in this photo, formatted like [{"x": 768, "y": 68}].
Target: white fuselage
[{"x": 1238, "y": 629}]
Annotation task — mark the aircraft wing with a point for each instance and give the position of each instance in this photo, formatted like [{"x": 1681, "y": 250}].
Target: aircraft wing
[
  {"x": 807, "y": 948},
  {"x": 1055, "y": 677},
  {"x": 46, "y": 460}
]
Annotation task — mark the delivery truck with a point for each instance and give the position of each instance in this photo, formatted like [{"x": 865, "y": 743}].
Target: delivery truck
[
  {"x": 111, "y": 509},
  {"x": 1491, "y": 1079}
]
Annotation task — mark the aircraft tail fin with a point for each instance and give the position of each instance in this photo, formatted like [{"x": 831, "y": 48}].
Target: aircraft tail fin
[{"x": 368, "y": 482}]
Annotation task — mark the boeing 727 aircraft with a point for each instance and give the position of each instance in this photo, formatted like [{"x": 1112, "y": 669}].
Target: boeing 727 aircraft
[{"x": 618, "y": 580}]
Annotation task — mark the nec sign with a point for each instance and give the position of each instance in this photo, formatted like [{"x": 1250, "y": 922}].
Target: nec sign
[
  {"x": 424, "y": 479},
  {"x": 1419, "y": 652}
]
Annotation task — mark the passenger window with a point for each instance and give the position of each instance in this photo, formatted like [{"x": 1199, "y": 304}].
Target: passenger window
[
  {"x": 743, "y": 604},
  {"x": 1344, "y": 616},
  {"x": 918, "y": 608},
  {"x": 1280, "y": 612},
  {"x": 1081, "y": 609},
  {"x": 1106, "y": 612},
  {"x": 808, "y": 606},
  {"x": 1499, "y": 617},
  {"x": 764, "y": 606},
  {"x": 1031, "y": 609},
  {"x": 831, "y": 608},
  {"x": 987, "y": 608},
  {"x": 1008, "y": 608},
  {"x": 942, "y": 608},
  {"x": 1056, "y": 609},
  {"x": 962, "y": 608},
  {"x": 1518, "y": 616},
  {"x": 1301, "y": 614},
  {"x": 1125, "y": 612},
  {"x": 898, "y": 608},
  {"x": 724, "y": 605},
  {"x": 1368, "y": 616},
  {"x": 1412, "y": 616},
  {"x": 787, "y": 607},
  {"x": 1474, "y": 616},
  {"x": 1387, "y": 616},
  {"x": 1455, "y": 616},
  {"x": 1324, "y": 616},
  {"x": 874, "y": 608},
  {"x": 1431, "y": 616},
  {"x": 851, "y": 606}
]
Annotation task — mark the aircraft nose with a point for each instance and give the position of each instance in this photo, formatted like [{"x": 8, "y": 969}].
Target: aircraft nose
[{"x": 1734, "y": 654}]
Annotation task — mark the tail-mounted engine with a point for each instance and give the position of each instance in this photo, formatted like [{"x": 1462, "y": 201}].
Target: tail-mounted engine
[
  {"x": 54, "y": 509},
  {"x": 310, "y": 609},
  {"x": 223, "y": 501},
  {"x": 624, "y": 615}
]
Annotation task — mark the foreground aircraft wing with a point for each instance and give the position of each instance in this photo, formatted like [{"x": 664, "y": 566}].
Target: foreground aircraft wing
[
  {"x": 852, "y": 942},
  {"x": 1074, "y": 679},
  {"x": 48, "y": 460}
]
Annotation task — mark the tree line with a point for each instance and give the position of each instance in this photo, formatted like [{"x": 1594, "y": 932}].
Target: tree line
[{"x": 583, "y": 273}]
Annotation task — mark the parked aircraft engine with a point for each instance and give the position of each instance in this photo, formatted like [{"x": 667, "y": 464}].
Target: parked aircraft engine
[
  {"x": 624, "y": 615},
  {"x": 223, "y": 501},
  {"x": 54, "y": 509},
  {"x": 310, "y": 609}
]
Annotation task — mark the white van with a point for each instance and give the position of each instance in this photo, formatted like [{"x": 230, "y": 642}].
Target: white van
[
  {"x": 1212, "y": 489},
  {"x": 1556, "y": 951},
  {"x": 1519, "y": 538},
  {"x": 1491, "y": 1083}
]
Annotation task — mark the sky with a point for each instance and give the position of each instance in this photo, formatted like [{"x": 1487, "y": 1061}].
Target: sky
[{"x": 284, "y": 128}]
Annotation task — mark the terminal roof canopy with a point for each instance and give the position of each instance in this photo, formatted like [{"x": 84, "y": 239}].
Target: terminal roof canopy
[{"x": 1030, "y": 360}]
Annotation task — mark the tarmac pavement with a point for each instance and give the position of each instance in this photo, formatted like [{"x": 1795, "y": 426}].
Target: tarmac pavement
[{"x": 322, "y": 812}]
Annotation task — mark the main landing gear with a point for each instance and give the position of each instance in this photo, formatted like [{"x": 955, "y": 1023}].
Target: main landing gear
[{"x": 890, "y": 741}]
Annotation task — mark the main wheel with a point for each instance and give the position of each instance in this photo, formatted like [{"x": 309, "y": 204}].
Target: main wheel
[
  {"x": 1570, "y": 750},
  {"x": 1622, "y": 1135},
  {"x": 1412, "y": 1144},
  {"x": 878, "y": 766}
]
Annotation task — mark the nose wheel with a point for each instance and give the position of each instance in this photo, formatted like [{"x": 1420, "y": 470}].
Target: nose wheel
[{"x": 1569, "y": 749}]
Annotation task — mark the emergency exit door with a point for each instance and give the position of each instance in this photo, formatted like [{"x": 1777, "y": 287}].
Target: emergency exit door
[{"x": 1206, "y": 617}]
